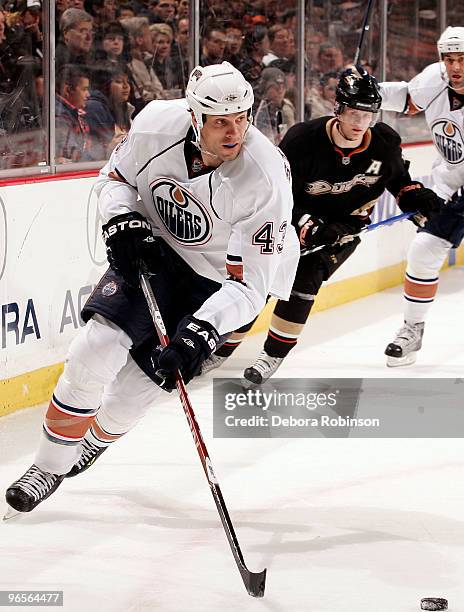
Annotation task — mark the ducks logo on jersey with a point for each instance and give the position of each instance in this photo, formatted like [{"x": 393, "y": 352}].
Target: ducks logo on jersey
[
  {"x": 449, "y": 141},
  {"x": 184, "y": 216}
]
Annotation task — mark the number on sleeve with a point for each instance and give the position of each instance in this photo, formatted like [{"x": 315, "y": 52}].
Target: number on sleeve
[{"x": 264, "y": 238}]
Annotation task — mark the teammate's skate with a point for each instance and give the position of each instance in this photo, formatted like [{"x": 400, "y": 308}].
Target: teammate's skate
[
  {"x": 403, "y": 350},
  {"x": 214, "y": 361},
  {"x": 32, "y": 488},
  {"x": 90, "y": 453},
  {"x": 262, "y": 369}
]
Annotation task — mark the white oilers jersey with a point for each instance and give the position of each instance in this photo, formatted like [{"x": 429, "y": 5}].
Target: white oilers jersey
[
  {"x": 445, "y": 118},
  {"x": 231, "y": 225}
]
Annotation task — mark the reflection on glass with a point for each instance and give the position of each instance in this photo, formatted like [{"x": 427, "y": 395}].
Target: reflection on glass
[
  {"x": 110, "y": 63},
  {"x": 22, "y": 135}
]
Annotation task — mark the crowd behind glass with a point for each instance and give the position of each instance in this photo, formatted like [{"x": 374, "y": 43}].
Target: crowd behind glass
[{"x": 112, "y": 57}]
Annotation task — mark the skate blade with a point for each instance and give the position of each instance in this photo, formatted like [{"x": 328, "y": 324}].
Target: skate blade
[
  {"x": 10, "y": 513},
  {"x": 248, "y": 384},
  {"x": 396, "y": 362}
]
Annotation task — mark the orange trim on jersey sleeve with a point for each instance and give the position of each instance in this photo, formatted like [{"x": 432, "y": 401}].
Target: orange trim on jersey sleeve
[{"x": 235, "y": 270}]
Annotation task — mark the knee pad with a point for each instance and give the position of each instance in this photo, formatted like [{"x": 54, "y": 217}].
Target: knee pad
[
  {"x": 126, "y": 400},
  {"x": 96, "y": 354},
  {"x": 426, "y": 255},
  {"x": 95, "y": 357}
]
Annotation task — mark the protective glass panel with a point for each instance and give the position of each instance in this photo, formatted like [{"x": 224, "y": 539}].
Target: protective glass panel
[
  {"x": 23, "y": 135},
  {"x": 413, "y": 30},
  {"x": 332, "y": 36},
  {"x": 258, "y": 38},
  {"x": 111, "y": 60}
]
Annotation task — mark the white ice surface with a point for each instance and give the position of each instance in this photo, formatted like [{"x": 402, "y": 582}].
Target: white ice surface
[{"x": 359, "y": 525}]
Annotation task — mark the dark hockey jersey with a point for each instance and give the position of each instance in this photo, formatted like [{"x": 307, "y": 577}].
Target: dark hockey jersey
[{"x": 342, "y": 185}]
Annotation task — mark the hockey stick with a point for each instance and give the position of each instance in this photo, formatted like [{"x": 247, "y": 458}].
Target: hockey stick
[
  {"x": 369, "y": 228},
  {"x": 254, "y": 581},
  {"x": 365, "y": 28}
]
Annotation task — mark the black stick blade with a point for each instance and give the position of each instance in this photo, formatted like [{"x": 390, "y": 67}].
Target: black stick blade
[{"x": 254, "y": 582}]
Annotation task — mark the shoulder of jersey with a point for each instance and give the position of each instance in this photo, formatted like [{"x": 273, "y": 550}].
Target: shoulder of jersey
[
  {"x": 171, "y": 115},
  {"x": 386, "y": 133},
  {"x": 302, "y": 135},
  {"x": 427, "y": 84}
]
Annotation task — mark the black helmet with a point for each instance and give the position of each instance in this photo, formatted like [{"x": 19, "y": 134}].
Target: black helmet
[{"x": 358, "y": 89}]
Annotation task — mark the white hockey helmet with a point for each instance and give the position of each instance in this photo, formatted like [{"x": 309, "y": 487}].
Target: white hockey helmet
[
  {"x": 451, "y": 41},
  {"x": 219, "y": 89}
]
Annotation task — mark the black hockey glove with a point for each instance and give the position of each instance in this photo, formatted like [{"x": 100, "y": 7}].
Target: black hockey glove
[
  {"x": 193, "y": 342},
  {"x": 417, "y": 197},
  {"x": 130, "y": 246},
  {"x": 315, "y": 233}
]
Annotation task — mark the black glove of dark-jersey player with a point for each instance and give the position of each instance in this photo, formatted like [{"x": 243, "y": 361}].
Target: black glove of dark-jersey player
[
  {"x": 193, "y": 342},
  {"x": 417, "y": 197}
]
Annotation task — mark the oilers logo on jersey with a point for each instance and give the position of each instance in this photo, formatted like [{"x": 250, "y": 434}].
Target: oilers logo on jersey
[
  {"x": 184, "y": 216},
  {"x": 448, "y": 139}
]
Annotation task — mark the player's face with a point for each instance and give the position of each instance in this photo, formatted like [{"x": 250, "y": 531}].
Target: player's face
[
  {"x": 223, "y": 135},
  {"x": 354, "y": 123},
  {"x": 454, "y": 64}
]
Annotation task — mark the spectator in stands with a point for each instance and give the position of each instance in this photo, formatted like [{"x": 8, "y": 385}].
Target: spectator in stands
[
  {"x": 30, "y": 12},
  {"x": 163, "y": 11},
  {"x": 167, "y": 69},
  {"x": 2, "y": 26},
  {"x": 108, "y": 109},
  {"x": 275, "y": 113},
  {"x": 79, "y": 4},
  {"x": 330, "y": 58},
  {"x": 280, "y": 44},
  {"x": 183, "y": 9},
  {"x": 71, "y": 128},
  {"x": 103, "y": 11},
  {"x": 146, "y": 85},
  {"x": 233, "y": 50},
  {"x": 322, "y": 100},
  {"x": 114, "y": 44},
  {"x": 126, "y": 11},
  {"x": 256, "y": 46},
  {"x": 75, "y": 44},
  {"x": 213, "y": 47},
  {"x": 182, "y": 38}
]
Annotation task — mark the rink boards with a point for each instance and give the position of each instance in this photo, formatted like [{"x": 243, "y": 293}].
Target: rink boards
[{"x": 51, "y": 256}]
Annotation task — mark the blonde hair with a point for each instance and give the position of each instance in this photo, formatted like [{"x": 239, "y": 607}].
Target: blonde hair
[{"x": 162, "y": 28}]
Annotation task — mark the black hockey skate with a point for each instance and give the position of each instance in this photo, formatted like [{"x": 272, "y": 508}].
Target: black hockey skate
[
  {"x": 262, "y": 369},
  {"x": 32, "y": 488},
  {"x": 90, "y": 453},
  {"x": 403, "y": 350}
]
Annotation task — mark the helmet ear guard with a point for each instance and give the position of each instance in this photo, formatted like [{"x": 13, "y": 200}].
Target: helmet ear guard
[{"x": 219, "y": 89}]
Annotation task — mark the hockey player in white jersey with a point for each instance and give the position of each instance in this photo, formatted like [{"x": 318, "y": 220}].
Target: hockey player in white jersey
[
  {"x": 203, "y": 200},
  {"x": 438, "y": 91}
]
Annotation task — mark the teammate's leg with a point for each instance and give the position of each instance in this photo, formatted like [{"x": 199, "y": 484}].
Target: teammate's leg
[{"x": 425, "y": 258}]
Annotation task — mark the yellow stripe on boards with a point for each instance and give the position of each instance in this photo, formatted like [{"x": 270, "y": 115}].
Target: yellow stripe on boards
[
  {"x": 28, "y": 389},
  {"x": 36, "y": 387}
]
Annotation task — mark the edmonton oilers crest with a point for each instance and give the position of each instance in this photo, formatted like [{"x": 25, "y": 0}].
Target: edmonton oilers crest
[
  {"x": 449, "y": 141},
  {"x": 183, "y": 215}
]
